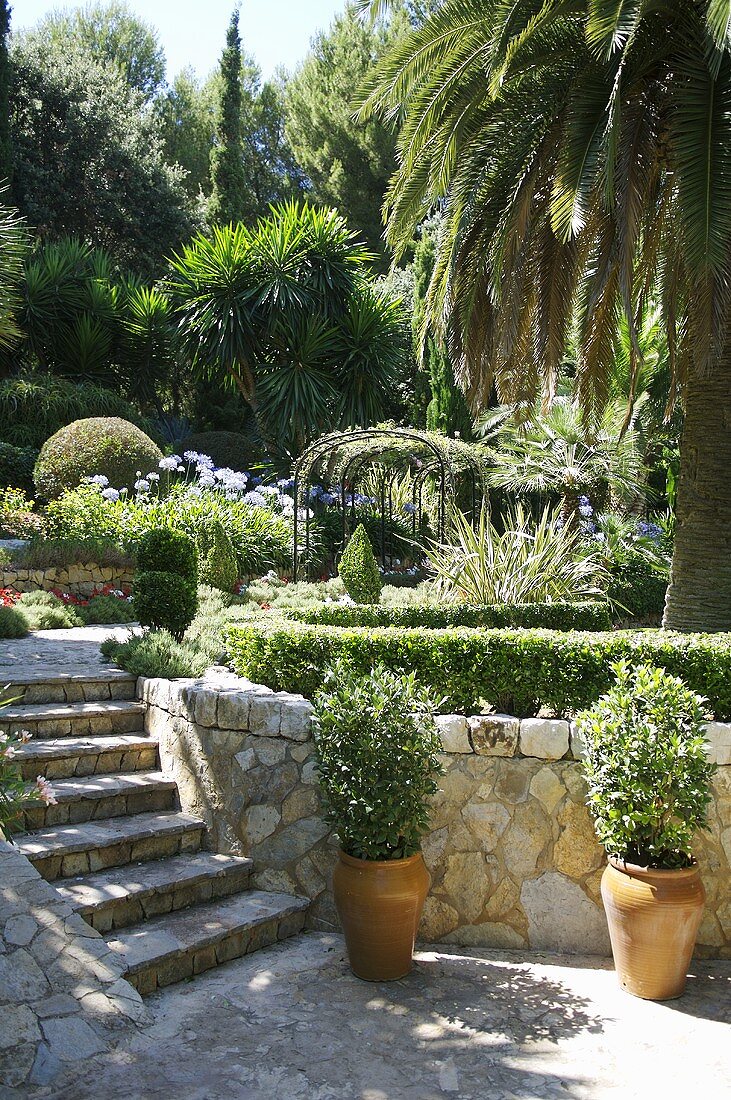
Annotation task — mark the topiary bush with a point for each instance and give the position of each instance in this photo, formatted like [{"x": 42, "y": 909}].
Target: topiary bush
[
  {"x": 582, "y": 615},
  {"x": 358, "y": 569},
  {"x": 518, "y": 672},
  {"x": 646, "y": 766},
  {"x": 99, "y": 445},
  {"x": 217, "y": 565},
  {"x": 164, "y": 550},
  {"x": 165, "y": 601},
  {"x": 13, "y": 623},
  {"x": 16, "y": 466}
]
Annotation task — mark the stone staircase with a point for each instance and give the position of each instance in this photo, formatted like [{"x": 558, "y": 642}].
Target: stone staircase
[{"x": 117, "y": 845}]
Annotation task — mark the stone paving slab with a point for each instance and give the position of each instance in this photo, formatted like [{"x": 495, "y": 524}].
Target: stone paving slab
[
  {"x": 73, "y": 652},
  {"x": 292, "y": 1023}
]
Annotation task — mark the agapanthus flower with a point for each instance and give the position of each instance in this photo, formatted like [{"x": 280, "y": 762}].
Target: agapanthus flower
[
  {"x": 154, "y": 476},
  {"x": 99, "y": 479},
  {"x": 256, "y": 500},
  {"x": 142, "y": 485},
  {"x": 170, "y": 462},
  {"x": 191, "y": 456},
  {"x": 110, "y": 494},
  {"x": 409, "y": 509}
]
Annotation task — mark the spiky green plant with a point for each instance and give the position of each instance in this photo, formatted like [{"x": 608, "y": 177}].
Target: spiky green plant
[{"x": 529, "y": 562}]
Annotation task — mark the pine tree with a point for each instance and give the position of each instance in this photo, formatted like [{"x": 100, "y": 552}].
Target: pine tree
[
  {"x": 6, "y": 155},
  {"x": 227, "y": 172},
  {"x": 447, "y": 410}
]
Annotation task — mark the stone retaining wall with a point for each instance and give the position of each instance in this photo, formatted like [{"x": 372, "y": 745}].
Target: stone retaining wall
[
  {"x": 79, "y": 580},
  {"x": 62, "y": 996},
  {"x": 512, "y": 851}
]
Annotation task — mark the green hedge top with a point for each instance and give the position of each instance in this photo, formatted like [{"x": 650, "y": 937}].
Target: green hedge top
[
  {"x": 516, "y": 671},
  {"x": 586, "y": 615}
]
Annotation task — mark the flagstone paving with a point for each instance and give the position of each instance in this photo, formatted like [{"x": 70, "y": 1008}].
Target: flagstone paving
[
  {"x": 57, "y": 652},
  {"x": 292, "y": 1023}
]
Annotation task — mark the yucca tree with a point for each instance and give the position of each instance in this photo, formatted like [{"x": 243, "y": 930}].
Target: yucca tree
[
  {"x": 581, "y": 150},
  {"x": 13, "y": 246},
  {"x": 286, "y": 314}
]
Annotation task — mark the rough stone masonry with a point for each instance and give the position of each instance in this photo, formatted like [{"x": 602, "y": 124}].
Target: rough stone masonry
[{"x": 512, "y": 852}]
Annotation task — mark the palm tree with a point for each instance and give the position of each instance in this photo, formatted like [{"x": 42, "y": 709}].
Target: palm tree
[
  {"x": 287, "y": 314},
  {"x": 581, "y": 150},
  {"x": 548, "y": 452}
]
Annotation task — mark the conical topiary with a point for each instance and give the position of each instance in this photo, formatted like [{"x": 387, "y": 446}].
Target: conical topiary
[
  {"x": 217, "y": 565},
  {"x": 358, "y": 569}
]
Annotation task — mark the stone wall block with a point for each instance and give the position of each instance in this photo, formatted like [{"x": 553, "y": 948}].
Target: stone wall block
[
  {"x": 265, "y": 716},
  {"x": 454, "y": 732},
  {"x": 494, "y": 734},
  {"x": 233, "y": 709},
  {"x": 205, "y": 703},
  {"x": 296, "y": 722},
  {"x": 546, "y": 738},
  {"x": 578, "y": 751},
  {"x": 718, "y": 736}
]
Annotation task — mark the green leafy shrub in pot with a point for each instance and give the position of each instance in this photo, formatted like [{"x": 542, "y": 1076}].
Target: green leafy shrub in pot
[
  {"x": 13, "y": 623},
  {"x": 377, "y": 751},
  {"x": 646, "y": 766},
  {"x": 217, "y": 565},
  {"x": 105, "y": 446},
  {"x": 358, "y": 568}
]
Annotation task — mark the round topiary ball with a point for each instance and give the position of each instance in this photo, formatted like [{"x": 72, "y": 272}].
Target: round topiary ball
[{"x": 100, "y": 445}]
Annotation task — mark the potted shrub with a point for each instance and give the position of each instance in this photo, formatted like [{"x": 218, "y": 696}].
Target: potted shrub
[
  {"x": 649, "y": 789},
  {"x": 378, "y": 757}
]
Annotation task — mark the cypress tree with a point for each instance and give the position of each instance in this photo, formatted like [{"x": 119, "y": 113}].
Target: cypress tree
[
  {"x": 227, "y": 167},
  {"x": 6, "y": 155}
]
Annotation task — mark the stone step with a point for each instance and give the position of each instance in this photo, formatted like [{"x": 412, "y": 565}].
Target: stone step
[
  {"x": 87, "y": 687},
  {"x": 100, "y": 797},
  {"x": 65, "y": 851},
  {"x": 74, "y": 756},
  {"x": 45, "y": 720},
  {"x": 127, "y": 895},
  {"x": 179, "y": 945}
]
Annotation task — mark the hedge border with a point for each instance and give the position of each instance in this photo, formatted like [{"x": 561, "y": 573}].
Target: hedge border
[
  {"x": 578, "y": 615},
  {"x": 519, "y": 672}
]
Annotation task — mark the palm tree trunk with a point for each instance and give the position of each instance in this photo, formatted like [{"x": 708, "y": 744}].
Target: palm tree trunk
[{"x": 699, "y": 596}]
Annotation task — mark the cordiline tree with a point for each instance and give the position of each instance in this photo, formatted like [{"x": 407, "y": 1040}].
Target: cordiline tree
[
  {"x": 582, "y": 151},
  {"x": 287, "y": 314}
]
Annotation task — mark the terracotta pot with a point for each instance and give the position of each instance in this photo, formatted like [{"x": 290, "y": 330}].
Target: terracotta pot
[
  {"x": 653, "y": 919},
  {"x": 380, "y": 904}
]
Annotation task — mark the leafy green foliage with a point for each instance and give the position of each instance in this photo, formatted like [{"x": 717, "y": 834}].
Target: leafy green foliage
[
  {"x": 217, "y": 565},
  {"x": 516, "y": 671},
  {"x": 165, "y": 601},
  {"x": 358, "y": 569},
  {"x": 529, "y": 562},
  {"x": 17, "y": 465},
  {"x": 45, "y": 553},
  {"x": 552, "y": 616},
  {"x": 13, "y": 623},
  {"x": 34, "y": 406},
  {"x": 168, "y": 551},
  {"x": 646, "y": 766},
  {"x": 17, "y": 518},
  {"x": 89, "y": 158},
  {"x": 107, "y": 610},
  {"x": 233, "y": 450},
  {"x": 45, "y": 611},
  {"x": 97, "y": 445},
  {"x": 377, "y": 751}
]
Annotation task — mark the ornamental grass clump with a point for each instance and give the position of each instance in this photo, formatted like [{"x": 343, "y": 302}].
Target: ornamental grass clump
[
  {"x": 358, "y": 569},
  {"x": 377, "y": 749},
  {"x": 647, "y": 768}
]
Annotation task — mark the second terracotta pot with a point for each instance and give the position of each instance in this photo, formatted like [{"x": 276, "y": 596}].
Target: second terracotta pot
[
  {"x": 379, "y": 903},
  {"x": 653, "y": 919}
]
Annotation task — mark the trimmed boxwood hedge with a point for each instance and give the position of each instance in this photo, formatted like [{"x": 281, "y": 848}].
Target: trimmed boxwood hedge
[
  {"x": 516, "y": 671},
  {"x": 586, "y": 615}
]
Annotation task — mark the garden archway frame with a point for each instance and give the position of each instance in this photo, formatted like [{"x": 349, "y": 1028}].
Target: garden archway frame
[{"x": 391, "y": 451}]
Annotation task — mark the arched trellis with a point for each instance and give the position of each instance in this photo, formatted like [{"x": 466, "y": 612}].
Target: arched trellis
[{"x": 392, "y": 451}]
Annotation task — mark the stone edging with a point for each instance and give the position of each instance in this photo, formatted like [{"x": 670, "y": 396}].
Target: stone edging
[{"x": 79, "y": 580}]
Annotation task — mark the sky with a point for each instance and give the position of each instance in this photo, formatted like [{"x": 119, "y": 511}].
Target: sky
[{"x": 275, "y": 32}]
